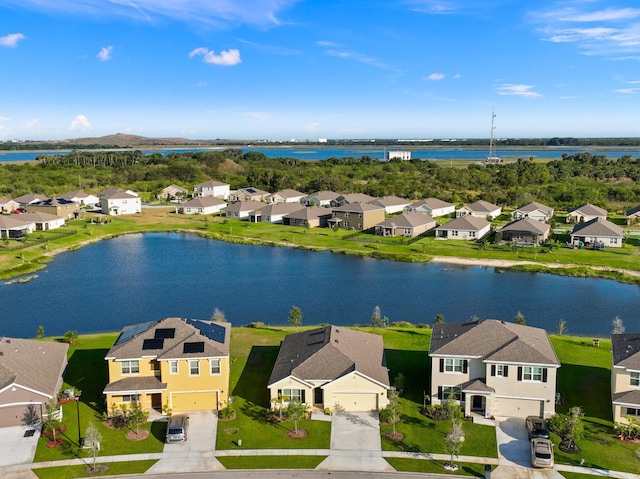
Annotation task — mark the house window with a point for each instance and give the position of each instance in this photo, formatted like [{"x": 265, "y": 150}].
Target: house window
[
  {"x": 453, "y": 365},
  {"x": 346, "y": 224},
  {"x": 634, "y": 378},
  {"x": 530, "y": 373},
  {"x": 194, "y": 367},
  {"x": 130, "y": 367},
  {"x": 347, "y": 214},
  {"x": 501, "y": 370},
  {"x": 215, "y": 366},
  {"x": 407, "y": 231},
  {"x": 291, "y": 395},
  {"x": 632, "y": 411},
  {"x": 454, "y": 233},
  {"x": 614, "y": 240},
  {"x": 130, "y": 397},
  {"x": 173, "y": 367},
  {"x": 452, "y": 391},
  {"x": 472, "y": 234}
]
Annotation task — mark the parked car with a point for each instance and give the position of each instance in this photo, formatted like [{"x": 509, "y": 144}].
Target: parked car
[
  {"x": 541, "y": 452},
  {"x": 177, "y": 428},
  {"x": 537, "y": 427}
]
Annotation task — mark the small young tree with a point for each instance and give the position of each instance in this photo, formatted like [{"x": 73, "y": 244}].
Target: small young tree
[
  {"x": 618, "y": 327},
  {"x": 295, "y": 411},
  {"x": 52, "y": 422},
  {"x": 562, "y": 327},
  {"x": 295, "y": 317},
  {"x": 30, "y": 417},
  {"x": 376, "y": 317},
  {"x": 574, "y": 428},
  {"x": 279, "y": 402},
  {"x": 519, "y": 319},
  {"x": 453, "y": 442},
  {"x": 71, "y": 337},
  {"x": 439, "y": 319},
  {"x": 137, "y": 416},
  {"x": 218, "y": 316},
  {"x": 40, "y": 332},
  {"x": 92, "y": 439},
  {"x": 391, "y": 413}
]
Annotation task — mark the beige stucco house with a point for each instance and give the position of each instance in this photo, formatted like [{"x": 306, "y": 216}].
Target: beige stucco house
[
  {"x": 525, "y": 231},
  {"x": 174, "y": 363},
  {"x": 391, "y": 204},
  {"x": 30, "y": 373},
  {"x": 433, "y": 207},
  {"x": 464, "y": 228},
  {"x": 585, "y": 213},
  {"x": 357, "y": 216},
  {"x": 494, "y": 368},
  {"x": 202, "y": 205},
  {"x": 625, "y": 377},
  {"x": 407, "y": 224},
  {"x": 285, "y": 196},
  {"x": 597, "y": 233},
  {"x": 331, "y": 367},
  {"x": 480, "y": 209},
  {"x": 320, "y": 198},
  {"x": 57, "y": 207},
  {"x": 535, "y": 211},
  {"x": 311, "y": 216}
]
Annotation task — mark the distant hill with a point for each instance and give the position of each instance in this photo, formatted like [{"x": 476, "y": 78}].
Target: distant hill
[{"x": 124, "y": 141}]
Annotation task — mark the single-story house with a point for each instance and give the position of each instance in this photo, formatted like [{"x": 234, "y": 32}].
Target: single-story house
[
  {"x": 173, "y": 192},
  {"x": 42, "y": 221},
  {"x": 246, "y": 194},
  {"x": 331, "y": 367},
  {"x": 7, "y": 205},
  {"x": 241, "y": 209},
  {"x": 319, "y": 198},
  {"x": 357, "y": 216},
  {"x": 585, "y": 213},
  {"x": 13, "y": 227},
  {"x": 212, "y": 188},
  {"x": 351, "y": 198},
  {"x": 285, "y": 196},
  {"x": 29, "y": 198},
  {"x": 407, "y": 224},
  {"x": 432, "y": 207},
  {"x": 464, "y": 228},
  {"x": 311, "y": 216},
  {"x": 494, "y": 368},
  {"x": 176, "y": 363},
  {"x": 274, "y": 213},
  {"x": 534, "y": 210},
  {"x": 480, "y": 209},
  {"x": 633, "y": 216},
  {"x": 117, "y": 202},
  {"x": 625, "y": 377},
  {"x": 391, "y": 204},
  {"x": 57, "y": 207},
  {"x": 81, "y": 198},
  {"x": 202, "y": 205},
  {"x": 525, "y": 231},
  {"x": 597, "y": 233},
  {"x": 30, "y": 373}
]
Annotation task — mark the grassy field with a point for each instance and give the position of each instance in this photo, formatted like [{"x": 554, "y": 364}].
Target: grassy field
[
  {"x": 271, "y": 462},
  {"x": 15, "y": 262}
]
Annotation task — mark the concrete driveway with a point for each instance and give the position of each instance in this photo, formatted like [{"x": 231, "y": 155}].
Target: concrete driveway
[
  {"x": 355, "y": 443},
  {"x": 197, "y": 452},
  {"x": 15, "y": 448}
]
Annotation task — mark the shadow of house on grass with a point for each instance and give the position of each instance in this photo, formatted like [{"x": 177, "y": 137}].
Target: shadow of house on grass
[
  {"x": 416, "y": 367},
  {"x": 87, "y": 371},
  {"x": 252, "y": 384}
]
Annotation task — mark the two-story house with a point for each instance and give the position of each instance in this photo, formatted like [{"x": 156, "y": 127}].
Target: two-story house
[
  {"x": 625, "y": 377},
  {"x": 357, "y": 216},
  {"x": 213, "y": 188},
  {"x": 174, "y": 363},
  {"x": 494, "y": 368},
  {"x": 117, "y": 201}
]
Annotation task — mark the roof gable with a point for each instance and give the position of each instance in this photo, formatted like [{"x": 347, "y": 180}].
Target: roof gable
[
  {"x": 466, "y": 223},
  {"x": 598, "y": 227},
  {"x": 626, "y": 350}
]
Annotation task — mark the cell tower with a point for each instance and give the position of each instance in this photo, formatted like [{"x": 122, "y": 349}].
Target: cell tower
[{"x": 491, "y": 158}]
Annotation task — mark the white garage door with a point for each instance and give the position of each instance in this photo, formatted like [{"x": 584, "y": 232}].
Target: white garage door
[
  {"x": 357, "y": 401},
  {"x": 194, "y": 401},
  {"x": 518, "y": 407}
]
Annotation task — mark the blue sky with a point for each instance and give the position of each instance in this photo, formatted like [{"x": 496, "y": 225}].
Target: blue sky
[{"x": 284, "y": 69}]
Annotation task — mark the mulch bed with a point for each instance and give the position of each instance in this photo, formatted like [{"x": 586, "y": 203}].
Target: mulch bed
[
  {"x": 274, "y": 417},
  {"x": 48, "y": 433},
  {"x": 137, "y": 436},
  {"x": 53, "y": 444},
  {"x": 568, "y": 448},
  {"x": 97, "y": 469},
  {"x": 394, "y": 436},
  {"x": 300, "y": 434},
  {"x": 234, "y": 414}
]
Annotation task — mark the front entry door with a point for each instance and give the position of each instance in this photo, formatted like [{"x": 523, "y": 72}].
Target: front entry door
[{"x": 318, "y": 396}]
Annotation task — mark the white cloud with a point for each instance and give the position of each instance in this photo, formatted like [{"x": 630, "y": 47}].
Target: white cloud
[
  {"x": 524, "y": 91},
  {"x": 4, "y": 118},
  {"x": 80, "y": 123},
  {"x": 436, "y": 76},
  {"x": 219, "y": 13},
  {"x": 225, "y": 58},
  {"x": 11, "y": 40},
  {"x": 201, "y": 84},
  {"x": 457, "y": 75},
  {"x": 312, "y": 127},
  {"x": 627, "y": 91},
  {"x": 257, "y": 115},
  {"x": 434, "y": 7},
  {"x": 30, "y": 124},
  {"x": 105, "y": 53}
]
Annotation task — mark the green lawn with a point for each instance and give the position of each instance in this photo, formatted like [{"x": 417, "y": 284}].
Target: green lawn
[
  {"x": 435, "y": 467},
  {"x": 271, "y": 462},
  {"x": 115, "y": 469}
]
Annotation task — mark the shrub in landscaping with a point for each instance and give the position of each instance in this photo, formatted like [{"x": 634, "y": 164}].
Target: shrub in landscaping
[
  {"x": 227, "y": 412},
  {"x": 256, "y": 325},
  {"x": 627, "y": 432},
  {"x": 437, "y": 412}
]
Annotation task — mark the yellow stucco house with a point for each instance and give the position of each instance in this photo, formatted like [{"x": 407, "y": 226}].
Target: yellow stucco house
[
  {"x": 331, "y": 367},
  {"x": 174, "y": 363},
  {"x": 625, "y": 377}
]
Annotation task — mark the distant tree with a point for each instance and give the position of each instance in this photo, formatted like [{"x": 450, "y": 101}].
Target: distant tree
[
  {"x": 71, "y": 337},
  {"x": 519, "y": 319},
  {"x": 376, "y": 317},
  {"x": 439, "y": 319},
  {"x": 295, "y": 317},
  {"x": 218, "y": 316},
  {"x": 295, "y": 411},
  {"x": 30, "y": 416},
  {"x": 92, "y": 439},
  {"x": 618, "y": 327},
  {"x": 562, "y": 327},
  {"x": 40, "y": 332}
]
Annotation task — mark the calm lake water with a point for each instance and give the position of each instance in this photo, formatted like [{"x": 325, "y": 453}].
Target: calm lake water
[
  {"x": 444, "y": 154},
  {"x": 137, "y": 278}
]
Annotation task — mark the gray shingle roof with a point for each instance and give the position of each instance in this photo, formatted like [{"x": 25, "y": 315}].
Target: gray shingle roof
[
  {"x": 247, "y": 206},
  {"x": 528, "y": 225},
  {"x": 324, "y": 195},
  {"x": 135, "y": 384},
  {"x": 329, "y": 353},
  {"x": 36, "y": 365},
  {"x": 408, "y": 220},
  {"x": 358, "y": 207},
  {"x": 131, "y": 342},
  {"x": 598, "y": 227},
  {"x": 533, "y": 206},
  {"x": 627, "y": 397},
  {"x": 431, "y": 203},
  {"x": 278, "y": 209},
  {"x": 465, "y": 223},
  {"x": 211, "y": 183},
  {"x": 626, "y": 350},
  {"x": 482, "y": 206},
  {"x": 203, "y": 202},
  {"x": 589, "y": 210},
  {"x": 493, "y": 340},
  {"x": 391, "y": 200},
  {"x": 309, "y": 213}
]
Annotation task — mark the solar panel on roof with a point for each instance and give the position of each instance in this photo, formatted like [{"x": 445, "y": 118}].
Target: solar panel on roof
[
  {"x": 155, "y": 343},
  {"x": 212, "y": 331},
  {"x": 193, "y": 347},
  {"x": 134, "y": 331},
  {"x": 165, "y": 333},
  {"x": 251, "y": 190}
]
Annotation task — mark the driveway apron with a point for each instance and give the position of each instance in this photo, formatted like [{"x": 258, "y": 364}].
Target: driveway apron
[
  {"x": 15, "y": 448},
  {"x": 197, "y": 452},
  {"x": 355, "y": 443}
]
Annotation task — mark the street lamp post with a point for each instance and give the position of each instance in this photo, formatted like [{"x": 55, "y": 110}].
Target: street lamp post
[{"x": 78, "y": 414}]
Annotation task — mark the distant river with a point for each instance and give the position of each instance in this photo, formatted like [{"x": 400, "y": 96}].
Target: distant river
[
  {"x": 438, "y": 154},
  {"x": 144, "y": 277}
]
